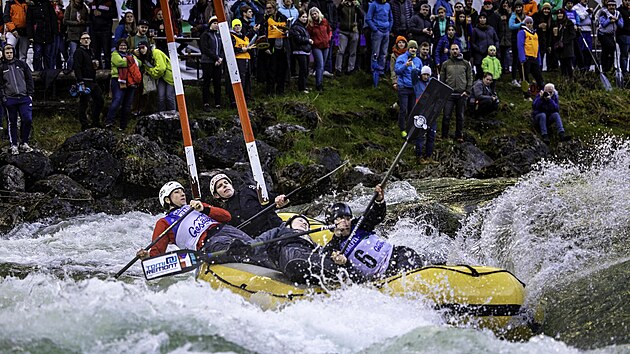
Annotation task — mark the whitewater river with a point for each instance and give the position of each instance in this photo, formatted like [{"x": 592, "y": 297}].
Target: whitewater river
[{"x": 563, "y": 230}]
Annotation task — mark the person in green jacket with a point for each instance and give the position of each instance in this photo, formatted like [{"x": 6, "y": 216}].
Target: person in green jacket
[
  {"x": 158, "y": 66},
  {"x": 491, "y": 64},
  {"x": 124, "y": 73}
]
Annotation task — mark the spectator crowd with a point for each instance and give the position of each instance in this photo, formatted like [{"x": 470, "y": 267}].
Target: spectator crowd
[{"x": 277, "y": 42}]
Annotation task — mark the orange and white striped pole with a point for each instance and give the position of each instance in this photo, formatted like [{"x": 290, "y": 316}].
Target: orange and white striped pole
[
  {"x": 181, "y": 100},
  {"x": 241, "y": 105}
]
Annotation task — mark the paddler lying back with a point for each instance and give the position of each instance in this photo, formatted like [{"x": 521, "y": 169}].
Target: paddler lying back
[
  {"x": 203, "y": 229},
  {"x": 366, "y": 252},
  {"x": 300, "y": 259}
]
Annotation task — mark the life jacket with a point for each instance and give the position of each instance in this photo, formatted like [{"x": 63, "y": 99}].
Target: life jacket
[
  {"x": 368, "y": 253},
  {"x": 241, "y": 43},
  {"x": 531, "y": 44},
  {"x": 273, "y": 28},
  {"x": 189, "y": 231}
]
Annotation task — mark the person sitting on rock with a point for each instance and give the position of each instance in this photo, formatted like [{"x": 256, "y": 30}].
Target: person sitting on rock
[
  {"x": 210, "y": 233},
  {"x": 244, "y": 204},
  {"x": 546, "y": 112},
  {"x": 300, "y": 259},
  {"x": 366, "y": 252}
]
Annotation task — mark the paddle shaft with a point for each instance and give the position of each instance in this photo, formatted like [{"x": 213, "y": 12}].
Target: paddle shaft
[
  {"x": 293, "y": 192},
  {"x": 158, "y": 239}
]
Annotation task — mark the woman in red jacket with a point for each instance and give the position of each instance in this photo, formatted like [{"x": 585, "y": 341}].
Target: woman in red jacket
[
  {"x": 203, "y": 229},
  {"x": 321, "y": 33}
]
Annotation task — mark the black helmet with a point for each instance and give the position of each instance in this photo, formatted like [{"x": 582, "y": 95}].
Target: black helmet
[{"x": 336, "y": 210}]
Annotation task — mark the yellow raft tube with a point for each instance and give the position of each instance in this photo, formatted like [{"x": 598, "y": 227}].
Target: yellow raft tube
[{"x": 484, "y": 297}]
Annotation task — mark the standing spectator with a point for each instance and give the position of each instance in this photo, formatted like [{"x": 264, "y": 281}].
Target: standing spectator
[
  {"x": 425, "y": 56},
  {"x": 483, "y": 100},
  {"x": 530, "y": 7},
  {"x": 257, "y": 8},
  {"x": 407, "y": 68},
  {"x": 446, "y": 4},
  {"x": 156, "y": 26},
  {"x": 463, "y": 31},
  {"x": 198, "y": 18},
  {"x": 380, "y": 20},
  {"x": 493, "y": 19},
  {"x": 157, "y": 65},
  {"x": 141, "y": 35},
  {"x": 421, "y": 29},
  {"x": 14, "y": 19},
  {"x": 472, "y": 16},
  {"x": 529, "y": 53},
  {"x": 543, "y": 24},
  {"x": 240, "y": 43},
  {"x": 492, "y": 65},
  {"x": 75, "y": 19},
  {"x": 505, "y": 35},
  {"x": 440, "y": 27},
  {"x": 123, "y": 84},
  {"x": 274, "y": 61},
  {"x": 402, "y": 11},
  {"x": 563, "y": 38},
  {"x": 515, "y": 24},
  {"x": 301, "y": 44},
  {"x": 59, "y": 43},
  {"x": 212, "y": 57},
  {"x": 102, "y": 15},
  {"x": 584, "y": 34},
  {"x": 350, "y": 14},
  {"x": 426, "y": 138},
  {"x": 399, "y": 48},
  {"x": 546, "y": 112},
  {"x": 289, "y": 11},
  {"x": 483, "y": 37},
  {"x": 609, "y": 21},
  {"x": 320, "y": 32},
  {"x": 16, "y": 92},
  {"x": 456, "y": 73},
  {"x": 85, "y": 65},
  {"x": 250, "y": 29},
  {"x": 41, "y": 28},
  {"x": 126, "y": 27},
  {"x": 623, "y": 35},
  {"x": 556, "y": 5},
  {"x": 442, "y": 50}
]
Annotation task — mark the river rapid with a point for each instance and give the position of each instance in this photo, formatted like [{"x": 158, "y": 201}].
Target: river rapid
[{"x": 562, "y": 229}]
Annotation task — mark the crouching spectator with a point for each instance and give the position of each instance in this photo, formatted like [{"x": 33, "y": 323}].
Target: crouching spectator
[
  {"x": 16, "y": 92},
  {"x": 483, "y": 100},
  {"x": 158, "y": 66},
  {"x": 546, "y": 113}
]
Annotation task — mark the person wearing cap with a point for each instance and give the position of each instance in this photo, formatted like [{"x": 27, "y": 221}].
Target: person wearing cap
[
  {"x": 483, "y": 37},
  {"x": 543, "y": 23},
  {"x": 141, "y": 34},
  {"x": 407, "y": 69},
  {"x": 240, "y": 43},
  {"x": 300, "y": 259},
  {"x": 556, "y": 5},
  {"x": 529, "y": 53},
  {"x": 563, "y": 42},
  {"x": 85, "y": 65},
  {"x": 609, "y": 21},
  {"x": 491, "y": 64},
  {"x": 362, "y": 248},
  {"x": 492, "y": 17},
  {"x": 399, "y": 48},
  {"x": 157, "y": 65},
  {"x": 212, "y": 58},
  {"x": 204, "y": 229},
  {"x": 515, "y": 23},
  {"x": 426, "y": 138},
  {"x": 244, "y": 203}
]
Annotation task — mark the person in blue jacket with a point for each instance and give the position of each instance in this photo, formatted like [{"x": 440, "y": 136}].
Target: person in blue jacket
[
  {"x": 442, "y": 50},
  {"x": 380, "y": 20},
  {"x": 408, "y": 66},
  {"x": 546, "y": 113}
]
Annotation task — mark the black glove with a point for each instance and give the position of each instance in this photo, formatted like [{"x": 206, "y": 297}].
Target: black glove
[{"x": 237, "y": 247}]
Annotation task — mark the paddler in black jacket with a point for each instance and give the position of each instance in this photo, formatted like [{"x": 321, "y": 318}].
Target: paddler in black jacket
[
  {"x": 244, "y": 204},
  {"x": 300, "y": 259}
]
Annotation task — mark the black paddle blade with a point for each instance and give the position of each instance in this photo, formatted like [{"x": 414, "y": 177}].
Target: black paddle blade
[
  {"x": 427, "y": 108},
  {"x": 172, "y": 263}
]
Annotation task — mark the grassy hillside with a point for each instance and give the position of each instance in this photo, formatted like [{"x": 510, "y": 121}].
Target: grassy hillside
[{"x": 358, "y": 120}]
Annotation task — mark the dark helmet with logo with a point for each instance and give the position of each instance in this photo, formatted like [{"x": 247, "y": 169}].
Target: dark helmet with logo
[{"x": 337, "y": 210}]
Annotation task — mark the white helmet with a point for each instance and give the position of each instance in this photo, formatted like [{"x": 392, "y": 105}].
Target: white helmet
[
  {"x": 217, "y": 178},
  {"x": 167, "y": 189}
]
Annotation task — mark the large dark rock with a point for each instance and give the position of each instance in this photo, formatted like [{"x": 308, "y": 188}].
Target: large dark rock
[
  {"x": 276, "y": 135},
  {"x": 328, "y": 157},
  {"x": 96, "y": 170},
  {"x": 305, "y": 112},
  {"x": 514, "y": 155},
  {"x": 463, "y": 160},
  {"x": 226, "y": 149},
  {"x": 297, "y": 175},
  {"x": 146, "y": 167},
  {"x": 97, "y": 139},
  {"x": 62, "y": 186},
  {"x": 359, "y": 174},
  {"x": 12, "y": 178},
  {"x": 35, "y": 165}
]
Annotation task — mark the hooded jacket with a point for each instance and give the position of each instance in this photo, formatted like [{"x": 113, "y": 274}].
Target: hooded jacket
[
  {"x": 457, "y": 73},
  {"x": 379, "y": 17},
  {"x": 17, "y": 80}
]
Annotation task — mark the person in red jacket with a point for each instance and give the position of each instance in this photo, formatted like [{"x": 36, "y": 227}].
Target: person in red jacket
[
  {"x": 321, "y": 33},
  {"x": 203, "y": 229}
]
